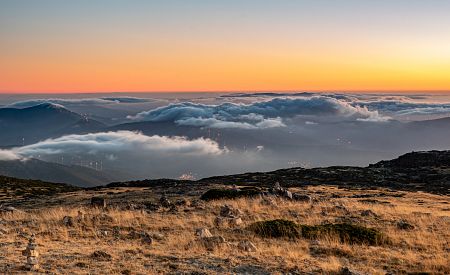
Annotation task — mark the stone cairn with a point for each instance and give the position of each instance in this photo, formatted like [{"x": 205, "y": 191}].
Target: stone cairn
[{"x": 32, "y": 254}]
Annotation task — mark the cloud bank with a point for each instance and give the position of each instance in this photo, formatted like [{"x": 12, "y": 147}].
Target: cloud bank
[
  {"x": 389, "y": 105},
  {"x": 257, "y": 115},
  {"x": 116, "y": 142}
]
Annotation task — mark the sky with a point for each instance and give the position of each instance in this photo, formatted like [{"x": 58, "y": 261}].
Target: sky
[{"x": 234, "y": 45}]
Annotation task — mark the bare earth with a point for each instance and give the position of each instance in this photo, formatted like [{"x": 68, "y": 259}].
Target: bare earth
[{"x": 123, "y": 232}]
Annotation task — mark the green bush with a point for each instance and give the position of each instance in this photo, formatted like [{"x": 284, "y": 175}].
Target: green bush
[
  {"x": 349, "y": 233},
  {"x": 276, "y": 229},
  {"x": 217, "y": 194}
]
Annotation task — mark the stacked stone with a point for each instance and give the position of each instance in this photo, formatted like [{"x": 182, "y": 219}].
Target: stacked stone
[{"x": 32, "y": 254}]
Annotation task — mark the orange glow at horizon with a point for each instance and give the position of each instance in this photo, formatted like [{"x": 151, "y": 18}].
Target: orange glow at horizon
[{"x": 57, "y": 46}]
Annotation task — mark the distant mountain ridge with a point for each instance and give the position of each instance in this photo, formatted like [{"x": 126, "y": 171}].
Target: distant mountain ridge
[
  {"x": 32, "y": 124},
  {"x": 54, "y": 172}
]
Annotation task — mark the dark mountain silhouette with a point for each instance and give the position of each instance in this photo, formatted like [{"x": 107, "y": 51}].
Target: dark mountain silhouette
[
  {"x": 54, "y": 172},
  {"x": 46, "y": 120},
  {"x": 427, "y": 171}
]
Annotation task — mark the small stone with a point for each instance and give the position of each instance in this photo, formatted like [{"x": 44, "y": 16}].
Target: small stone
[
  {"x": 68, "y": 221},
  {"x": 101, "y": 256},
  {"x": 98, "y": 202},
  {"x": 213, "y": 242},
  {"x": 158, "y": 236},
  {"x": 236, "y": 222},
  {"x": 228, "y": 211},
  {"x": 267, "y": 201},
  {"x": 220, "y": 221},
  {"x": 147, "y": 239},
  {"x": 314, "y": 242},
  {"x": 181, "y": 202},
  {"x": 287, "y": 194},
  {"x": 368, "y": 213},
  {"x": 203, "y": 233},
  {"x": 165, "y": 202},
  {"x": 347, "y": 271},
  {"x": 247, "y": 246},
  {"x": 301, "y": 198},
  {"x": 404, "y": 225}
]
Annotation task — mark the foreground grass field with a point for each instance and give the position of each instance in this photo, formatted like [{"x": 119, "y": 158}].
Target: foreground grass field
[{"x": 134, "y": 236}]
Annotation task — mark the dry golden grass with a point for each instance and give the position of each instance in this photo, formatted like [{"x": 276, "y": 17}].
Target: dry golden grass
[{"x": 67, "y": 249}]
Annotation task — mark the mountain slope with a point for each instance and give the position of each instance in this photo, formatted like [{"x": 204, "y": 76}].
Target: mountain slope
[
  {"x": 53, "y": 172},
  {"x": 25, "y": 188},
  {"x": 427, "y": 171},
  {"x": 42, "y": 121}
]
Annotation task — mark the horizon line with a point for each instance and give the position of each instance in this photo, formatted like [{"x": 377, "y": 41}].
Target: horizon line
[{"x": 370, "y": 91}]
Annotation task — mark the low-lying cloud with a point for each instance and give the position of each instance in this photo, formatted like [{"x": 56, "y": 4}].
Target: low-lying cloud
[
  {"x": 112, "y": 144},
  {"x": 8, "y": 155},
  {"x": 388, "y": 105},
  {"x": 120, "y": 141},
  {"x": 257, "y": 115}
]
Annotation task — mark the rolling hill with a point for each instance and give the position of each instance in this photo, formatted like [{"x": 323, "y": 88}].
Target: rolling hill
[{"x": 47, "y": 120}]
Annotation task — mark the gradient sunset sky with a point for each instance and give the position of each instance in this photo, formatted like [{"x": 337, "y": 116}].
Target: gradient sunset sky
[{"x": 232, "y": 45}]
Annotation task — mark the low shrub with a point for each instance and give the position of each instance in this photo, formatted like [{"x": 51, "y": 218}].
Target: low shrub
[
  {"x": 349, "y": 233},
  {"x": 276, "y": 229}
]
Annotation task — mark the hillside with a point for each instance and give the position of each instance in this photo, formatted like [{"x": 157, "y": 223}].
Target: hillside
[
  {"x": 54, "y": 172},
  {"x": 18, "y": 189},
  {"x": 417, "y": 171},
  {"x": 46, "y": 120}
]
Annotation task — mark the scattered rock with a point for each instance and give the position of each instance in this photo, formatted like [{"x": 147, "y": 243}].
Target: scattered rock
[
  {"x": 203, "y": 233},
  {"x": 247, "y": 246},
  {"x": 404, "y": 225},
  {"x": 165, "y": 202},
  {"x": 267, "y": 201},
  {"x": 68, "y": 221},
  {"x": 152, "y": 206},
  {"x": 10, "y": 209},
  {"x": 100, "y": 255},
  {"x": 181, "y": 202},
  {"x": 280, "y": 191},
  {"x": 229, "y": 212},
  {"x": 235, "y": 222},
  {"x": 146, "y": 239},
  {"x": 347, "y": 271},
  {"x": 302, "y": 198},
  {"x": 98, "y": 202},
  {"x": 217, "y": 194},
  {"x": 81, "y": 265},
  {"x": 158, "y": 236},
  {"x": 287, "y": 194},
  {"x": 213, "y": 242},
  {"x": 3, "y": 231},
  {"x": 314, "y": 242},
  {"x": 368, "y": 213}
]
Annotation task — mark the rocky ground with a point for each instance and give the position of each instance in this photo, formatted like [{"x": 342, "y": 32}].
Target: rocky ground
[{"x": 167, "y": 229}]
